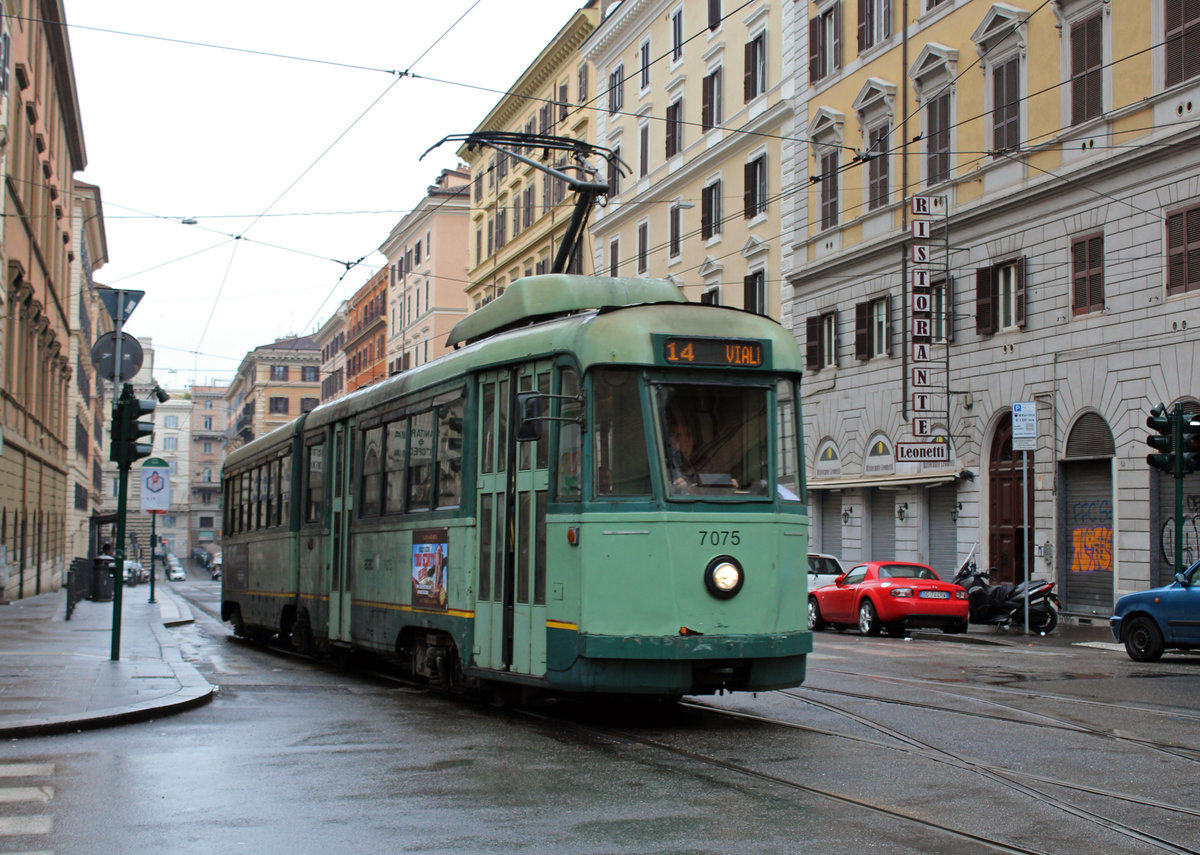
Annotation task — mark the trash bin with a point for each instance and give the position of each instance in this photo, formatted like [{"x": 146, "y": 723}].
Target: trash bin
[{"x": 102, "y": 579}]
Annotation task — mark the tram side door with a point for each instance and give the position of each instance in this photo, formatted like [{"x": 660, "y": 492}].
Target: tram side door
[
  {"x": 341, "y": 508},
  {"x": 512, "y": 492}
]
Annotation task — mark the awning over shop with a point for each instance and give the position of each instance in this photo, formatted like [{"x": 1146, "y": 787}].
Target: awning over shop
[{"x": 885, "y": 482}]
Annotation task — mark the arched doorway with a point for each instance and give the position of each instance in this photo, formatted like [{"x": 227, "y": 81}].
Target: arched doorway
[
  {"x": 1009, "y": 544},
  {"x": 1087, "y": 516}
]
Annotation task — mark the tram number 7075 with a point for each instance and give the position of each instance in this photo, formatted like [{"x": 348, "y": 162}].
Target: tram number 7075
[{"x": 719, "y": 538}]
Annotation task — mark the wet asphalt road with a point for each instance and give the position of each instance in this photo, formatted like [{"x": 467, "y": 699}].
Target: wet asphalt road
[{"x": 891, "y": 746}]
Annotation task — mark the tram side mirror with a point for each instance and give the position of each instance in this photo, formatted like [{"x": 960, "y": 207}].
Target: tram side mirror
[{"x": 529, "y": 410}]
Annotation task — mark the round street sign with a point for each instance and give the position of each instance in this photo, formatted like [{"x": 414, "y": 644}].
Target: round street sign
[{"x": 104, "y": 357}]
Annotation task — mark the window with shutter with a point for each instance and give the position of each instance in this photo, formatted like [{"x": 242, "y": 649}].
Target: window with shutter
[
  {"x": 755, "y": 293},
  {"x": 1183, "y": 251},
  {"x": 877, "y": 167},
  {"x": 984, "y": 301},
  {"x": 812, "y": 347},
  {"x": 1087, "y": 274},
  {"x": 937, "y": 128},
  {"x": 1182, "y": 37},
  {"x": 825, "y": 42},
  {"x": 673, "y": 230},
  {"x": 874, "y": 22},
  {"x": 756, "y": 67},
  {"x": 714, "y": 14},
  {"x": 829, "y": 190},
  {"x": 643, "y": 247},
  {"x": 710, "y": 210},
  {"x": 710, "y": 108},
  {"x": 1087, "y": 63},
  {"x": 862, "y": 323},
  {"x": 674, "y": 128},
  {"x": 1006, "y": 103}
]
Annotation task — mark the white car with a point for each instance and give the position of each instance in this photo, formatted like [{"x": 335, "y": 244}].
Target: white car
[
  {"x": 822, "y": 569},
  {"x": 176, "y": 574}
]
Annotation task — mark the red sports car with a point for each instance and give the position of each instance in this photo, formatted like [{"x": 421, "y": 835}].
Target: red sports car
[{"x": 892, "y": 595}]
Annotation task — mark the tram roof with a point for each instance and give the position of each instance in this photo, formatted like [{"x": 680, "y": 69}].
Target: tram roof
[
  {"x": 601, "y": 321},
  {"x": 558, "y": 294}
]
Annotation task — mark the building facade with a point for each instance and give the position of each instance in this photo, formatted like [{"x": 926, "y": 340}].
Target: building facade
[
  {"x": 88, "y": 395},
  {"x": 207, "y": 441},
  {"x": 366, "y": 333},
  {"x": 331, "y": 339},
  {"x": 519, "y": 213},
  {"x": 697, "y": 98},
  {"x": 1029, "y": 245},
  {"x": 427, "y": 270},
  {"x": 274, "y": 384},
  {"x": 44, "y": 149}
]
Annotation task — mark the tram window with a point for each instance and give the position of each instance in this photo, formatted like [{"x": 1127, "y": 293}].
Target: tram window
[
  {"x": 619, "y": 454},
  {"x": 502, "y": 425},
  {"x": 487, "y": 432},
  {"x": 247, "y": 520},
  {"x": 523, "y": 547},
  {"x": 397, "y": 444},
  {"x": 285, "y": 490},
  {"x": 269, "y": 500},
  {"x": 420, "y": 461},
  {"x": 314, "y": 496},
  {"x": 542, "y": 451},
  {"x": 485, "y": 545},
  {"x": 539, "y": 544},
  {"x": 788, "y": 461},
  {"x": 570, "y": 439},
  {"x": 449, "y": 454},
  {"x": 372, "y": 472},
  {"x": 524, "y": 384},
  {"x": 257, "y": 495},
  {"x": 715, "y": 439}
]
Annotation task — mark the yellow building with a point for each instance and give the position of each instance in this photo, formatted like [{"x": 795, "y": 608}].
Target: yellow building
[
  {"x": 275, "y": 383},
  {"x": 518, "y": 213},
  {"x": 697, "y": 98}
]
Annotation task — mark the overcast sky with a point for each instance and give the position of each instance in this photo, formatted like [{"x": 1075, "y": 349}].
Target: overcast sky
[{"x": 304, "y": 141}]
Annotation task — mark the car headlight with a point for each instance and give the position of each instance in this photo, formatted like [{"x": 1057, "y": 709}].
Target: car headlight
[{"x": 724, "y": 576}]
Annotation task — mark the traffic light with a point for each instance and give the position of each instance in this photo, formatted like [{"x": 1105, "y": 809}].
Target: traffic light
[
  {"x": 1163, "y": 424},
  {"x": 128, "y": 429},
  {"x": 1189, "y": 454}
]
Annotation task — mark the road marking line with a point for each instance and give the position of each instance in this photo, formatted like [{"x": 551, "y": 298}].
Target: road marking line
[
  {"x": 18, "y": 825},
  {"x": 26, "y": 770},
  {"x": 26, "y": 794}
]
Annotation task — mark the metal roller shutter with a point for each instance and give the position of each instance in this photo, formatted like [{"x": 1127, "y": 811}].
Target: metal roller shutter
[
  {"x": 943, "y": 530},
  {"x": 883, "y": 526},
  {"x": 1088, "y": 529},
  {"x": 1162, "y": 526},
  {"x": 831, "y": 523}
]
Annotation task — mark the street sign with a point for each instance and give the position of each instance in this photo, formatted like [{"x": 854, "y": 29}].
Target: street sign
[
  {"x": 120, "y": 304},
  {"x": 104, "y": 357},
  {"x": 1024, "y": 426},
  {"x": 156, "y": 485}
]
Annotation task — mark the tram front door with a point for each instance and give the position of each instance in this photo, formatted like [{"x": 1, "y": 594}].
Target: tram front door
[
  {"x": 510, "y": 609},
  {"x": 341, "y": 507}
]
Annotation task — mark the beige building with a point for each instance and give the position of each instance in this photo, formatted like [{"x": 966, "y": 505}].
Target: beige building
[
  {"x": 275, "y": 383},
  {"x": 89, "y": 398},
  {"x": 331, "y": 339},
  {"x": 519, "y": 213},
  {"x": 427, "y": 272},
  {"x": 39, "y": 113},
  {"x": 207, "y": 440},
  {"x": 697, "y": 99}
]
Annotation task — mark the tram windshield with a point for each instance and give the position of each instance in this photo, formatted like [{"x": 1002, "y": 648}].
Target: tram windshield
[{"x": 714, "y": 439}]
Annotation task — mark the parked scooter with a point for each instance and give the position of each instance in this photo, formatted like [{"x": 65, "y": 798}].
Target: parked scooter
[{"x": 1003, "y": 606}]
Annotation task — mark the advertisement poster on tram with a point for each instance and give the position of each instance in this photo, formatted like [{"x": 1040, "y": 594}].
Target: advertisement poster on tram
[{"x": 431, "y": 550}]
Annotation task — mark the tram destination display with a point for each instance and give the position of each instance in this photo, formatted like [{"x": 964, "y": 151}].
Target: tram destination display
[{"x": 724, "y": 352}]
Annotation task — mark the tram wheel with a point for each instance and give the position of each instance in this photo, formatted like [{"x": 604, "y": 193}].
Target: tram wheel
[{"x": 302, "y": 637}]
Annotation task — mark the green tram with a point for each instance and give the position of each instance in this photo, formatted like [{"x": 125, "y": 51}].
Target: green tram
[{"x": 509, "y": 513}]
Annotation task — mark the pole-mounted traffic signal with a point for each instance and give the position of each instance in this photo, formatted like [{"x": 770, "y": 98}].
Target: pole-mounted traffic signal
[
  {"x": 1189, "y": 453},
  {"x": 1163, "y": 440},
  {"x": 128, "y": 428}
]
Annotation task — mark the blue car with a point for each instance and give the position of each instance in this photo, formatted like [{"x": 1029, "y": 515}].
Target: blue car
[{"x": 1149, "y": 622}]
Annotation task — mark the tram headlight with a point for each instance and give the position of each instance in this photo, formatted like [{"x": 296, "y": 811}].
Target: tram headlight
[{"x": 724, "y": 576}]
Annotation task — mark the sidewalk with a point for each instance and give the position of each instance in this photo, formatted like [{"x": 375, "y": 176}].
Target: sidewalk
[{"x": 57, "y": 675}]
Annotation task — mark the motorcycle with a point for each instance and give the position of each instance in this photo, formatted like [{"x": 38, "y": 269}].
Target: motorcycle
[{"x": 1003, "y": 606}]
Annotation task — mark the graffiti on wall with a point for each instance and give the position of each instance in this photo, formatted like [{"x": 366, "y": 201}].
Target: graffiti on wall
[{"x": 1090, "y": 526}]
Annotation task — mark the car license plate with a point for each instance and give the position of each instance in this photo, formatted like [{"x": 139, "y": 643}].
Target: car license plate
[{"x": 934, "y": 595}]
